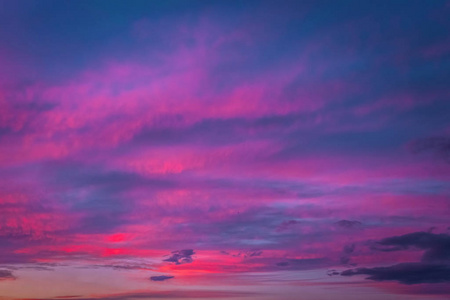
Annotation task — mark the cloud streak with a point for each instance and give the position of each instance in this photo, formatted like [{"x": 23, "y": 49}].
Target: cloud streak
[{"x": 161, "y": 278}]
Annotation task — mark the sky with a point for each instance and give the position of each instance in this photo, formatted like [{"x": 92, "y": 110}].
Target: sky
[{"x": 248, "y": 150}]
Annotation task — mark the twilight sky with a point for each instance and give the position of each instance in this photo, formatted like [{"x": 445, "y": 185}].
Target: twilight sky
[{"x": 273, "y": 150}]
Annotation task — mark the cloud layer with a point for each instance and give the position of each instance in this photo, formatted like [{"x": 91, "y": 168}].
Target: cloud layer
[{"x": 232, "y": 145}]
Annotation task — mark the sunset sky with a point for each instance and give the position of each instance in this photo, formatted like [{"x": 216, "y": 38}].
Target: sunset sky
[{"x": 248, "y": 150}]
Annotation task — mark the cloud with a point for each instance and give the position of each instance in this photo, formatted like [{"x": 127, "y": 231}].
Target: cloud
[
  {"x": 436, "y": 246},
  {"x": 245, "y": 254},
  {"x": 181, "y": 256},
  {"x": 406, "y": 273},
  {"x": 348, "y": 224},
  {"x": 160, "y": 278},
  {"x": 332, "y": 272},
  {"x": 179, "y": 294},
  {"x": 346, "y": 253},
  {"x": 434, "y": 266},
  {"x": 302, "y": 263},
  {"x": 216, "y": 133},
  {"x": 6, "y": 274},
  {"x": 439, "y": 146},
  {"x": 14, "y": 233},
  {"x": 252, "y": 253},
  {"x": 286, "y": 225}
]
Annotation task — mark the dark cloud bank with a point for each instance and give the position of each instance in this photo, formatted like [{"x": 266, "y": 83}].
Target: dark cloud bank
[{"x": 434, "y": 266}]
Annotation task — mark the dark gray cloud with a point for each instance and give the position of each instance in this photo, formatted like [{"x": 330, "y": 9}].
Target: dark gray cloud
[
  {"x": 252, "y": 253},
  {"x": 434, "y": 266},
  {"x": 181, "y": 256},
  {"x": 436, "y": 246},
  {"x": 348, "y": 224},
  {"x": 6, "y": 274},
  {"x": 245, "y": 254},
  {"x": 161, "y": 278},
  {"x": 406, "y": 273},
  {"x": 332, "y": 272}
]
